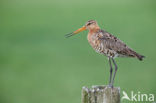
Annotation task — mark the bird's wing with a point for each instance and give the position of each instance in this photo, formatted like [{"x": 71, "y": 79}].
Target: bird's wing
[{"x": 111, "y": 42}]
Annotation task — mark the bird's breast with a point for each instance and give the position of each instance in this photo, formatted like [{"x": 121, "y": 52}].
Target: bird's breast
[
  {"x": 100, "y": 46},
  {"x": 91, "y": 39},
  {"x": 94, "y": 42}
]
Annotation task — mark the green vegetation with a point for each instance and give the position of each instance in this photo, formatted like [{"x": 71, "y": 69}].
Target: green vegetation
[{"x": 39, "y": 65}]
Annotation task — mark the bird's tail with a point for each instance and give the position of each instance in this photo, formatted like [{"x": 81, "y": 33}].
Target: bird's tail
[
  {"x": 137, "y": 55},
  {"x": 140, "y": 57}
]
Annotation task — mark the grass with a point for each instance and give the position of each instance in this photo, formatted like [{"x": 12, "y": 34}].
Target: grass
[{"x": 37, "y": 64}]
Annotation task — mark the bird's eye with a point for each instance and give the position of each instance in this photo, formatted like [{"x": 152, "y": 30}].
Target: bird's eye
[{"x": 88, "y": 23}]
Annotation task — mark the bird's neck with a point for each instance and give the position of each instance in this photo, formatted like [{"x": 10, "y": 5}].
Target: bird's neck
[{"x": 94, "y": 30}]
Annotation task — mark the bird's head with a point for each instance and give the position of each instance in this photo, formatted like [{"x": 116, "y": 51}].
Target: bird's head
[{"x": 90, "y": 25}]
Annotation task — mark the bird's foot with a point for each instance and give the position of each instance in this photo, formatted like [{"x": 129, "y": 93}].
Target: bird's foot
[{"x": 110, "y": 85}]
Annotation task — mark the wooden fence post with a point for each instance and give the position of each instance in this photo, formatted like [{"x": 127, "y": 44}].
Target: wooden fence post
[{"x": 101, "y": 94}]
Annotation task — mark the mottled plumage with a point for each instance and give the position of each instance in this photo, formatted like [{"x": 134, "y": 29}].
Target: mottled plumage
[
  {"x": 106, "y": 44},
  {"x": 109, "y": 45}
]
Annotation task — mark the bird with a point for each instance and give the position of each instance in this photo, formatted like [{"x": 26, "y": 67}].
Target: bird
[{"x": 106, "y": 44}]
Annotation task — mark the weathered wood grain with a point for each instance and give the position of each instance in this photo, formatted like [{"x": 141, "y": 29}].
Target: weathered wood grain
[{"x": 100, "y": 94}]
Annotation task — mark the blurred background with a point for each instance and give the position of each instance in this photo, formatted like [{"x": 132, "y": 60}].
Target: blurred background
[{"x": 39, "y": 65}]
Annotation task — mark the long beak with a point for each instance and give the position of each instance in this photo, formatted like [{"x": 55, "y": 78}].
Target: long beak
[{"x": 75, "y": 32}]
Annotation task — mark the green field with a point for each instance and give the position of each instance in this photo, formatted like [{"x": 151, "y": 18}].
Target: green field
[{"x": 39, "y": 65}]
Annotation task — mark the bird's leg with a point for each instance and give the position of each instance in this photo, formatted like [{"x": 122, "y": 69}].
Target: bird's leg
[
  {"x": 111, "y": 70},
  {"x": 115, "y": 71}
]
